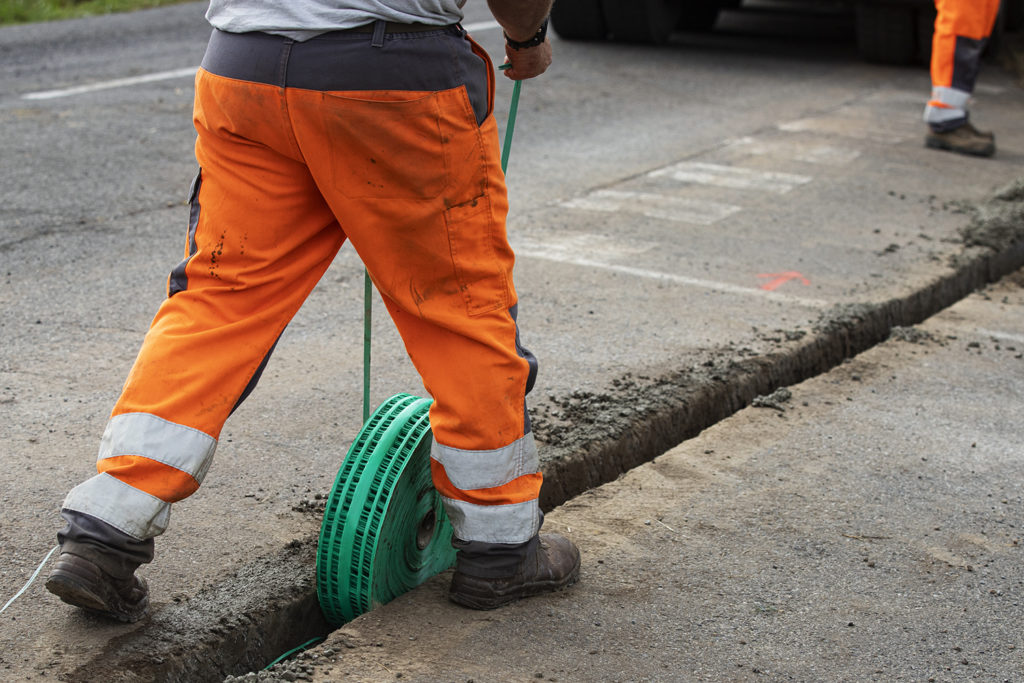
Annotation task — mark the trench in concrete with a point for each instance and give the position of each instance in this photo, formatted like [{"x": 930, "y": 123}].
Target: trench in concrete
[{"x": 270, "y": 606}]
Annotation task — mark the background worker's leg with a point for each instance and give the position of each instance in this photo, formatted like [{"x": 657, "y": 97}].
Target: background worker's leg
[
  {"x": 259, "y": 239},
  {"x": 962, "y": 28}
]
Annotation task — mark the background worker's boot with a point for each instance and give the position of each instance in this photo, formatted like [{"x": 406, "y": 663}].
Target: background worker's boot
[
  {"x": 80, "y": 582},
  {"x": 550, "y": 564},
  {"x": 965, "y": 139}
]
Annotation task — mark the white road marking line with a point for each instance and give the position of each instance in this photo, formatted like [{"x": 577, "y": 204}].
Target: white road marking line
[
  {"x": 653, "y": 206},
  {"x": 176, "y": 73},
  {"x": 810, "y": 153},
  {"x": 596, "y": 247},
  {"x": 116, "y": 83},
  {"x": 538, "y": 251},
  {"x": 729, "y": 176},
  {"x": 844, "y": 127}
]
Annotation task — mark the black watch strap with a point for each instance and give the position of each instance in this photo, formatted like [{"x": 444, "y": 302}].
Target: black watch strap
[{"x": 537, "y": 39}]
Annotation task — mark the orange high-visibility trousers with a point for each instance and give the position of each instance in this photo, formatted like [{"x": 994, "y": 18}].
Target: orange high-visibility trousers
[
  {"x": 384, "y": 140},
  {"x": 962, "y": 28}
]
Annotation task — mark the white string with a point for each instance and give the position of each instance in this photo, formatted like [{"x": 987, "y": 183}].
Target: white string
[{"x": 25, "y": 587}]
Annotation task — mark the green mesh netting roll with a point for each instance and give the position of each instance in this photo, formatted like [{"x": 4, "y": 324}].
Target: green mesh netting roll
[{"x": 384, "y": 530}]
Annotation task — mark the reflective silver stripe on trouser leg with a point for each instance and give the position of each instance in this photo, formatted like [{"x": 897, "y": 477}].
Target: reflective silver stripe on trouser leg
[
  {"x": 471, "y": 470},
  {"x": 133, "y": 511},
  {"x": 955, "y": 108}
]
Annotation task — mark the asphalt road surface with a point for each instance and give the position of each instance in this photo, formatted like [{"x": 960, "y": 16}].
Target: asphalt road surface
[{"x": 697, "y": 224}]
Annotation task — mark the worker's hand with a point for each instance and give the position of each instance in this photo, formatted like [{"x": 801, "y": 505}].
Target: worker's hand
[
  {"x": 528, "y": 62},
  {"x": 520, "y": 20}
]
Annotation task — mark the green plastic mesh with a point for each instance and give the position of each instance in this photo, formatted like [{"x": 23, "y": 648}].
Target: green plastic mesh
[{"x": 384, "y": 529}]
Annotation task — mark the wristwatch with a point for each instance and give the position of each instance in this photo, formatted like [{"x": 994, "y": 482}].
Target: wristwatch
[{"x": 537, "y": 39}]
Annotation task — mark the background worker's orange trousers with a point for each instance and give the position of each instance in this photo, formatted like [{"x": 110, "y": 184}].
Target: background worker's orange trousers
[
  {"x": 962, "y": 28},
  {"x": 386, "y": 140}
]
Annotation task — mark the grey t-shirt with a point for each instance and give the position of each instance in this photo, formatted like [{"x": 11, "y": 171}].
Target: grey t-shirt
[{"x": 304, "y": 19}]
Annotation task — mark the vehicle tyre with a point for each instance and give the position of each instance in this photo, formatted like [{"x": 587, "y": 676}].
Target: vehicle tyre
[
  {"x": 1014, "y": 11},
  {"x": 701, "y": 15},
  {"x": 642, "y": 21},
  {"x": 887, "y": 34},
  {"x": 579, "y": 20},
  {"x": 925, "y": 29}
]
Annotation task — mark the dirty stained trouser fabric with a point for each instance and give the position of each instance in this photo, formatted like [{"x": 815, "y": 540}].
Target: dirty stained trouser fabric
[
  {"x": 962, "y": 28},
  {"x": 386, "y": 140}
]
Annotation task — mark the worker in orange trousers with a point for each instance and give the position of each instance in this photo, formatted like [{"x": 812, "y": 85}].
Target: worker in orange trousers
[{"x": 962, "y": 29}]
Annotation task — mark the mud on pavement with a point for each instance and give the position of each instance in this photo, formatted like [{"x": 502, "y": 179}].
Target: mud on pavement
[{"x": 588, "y": 438}]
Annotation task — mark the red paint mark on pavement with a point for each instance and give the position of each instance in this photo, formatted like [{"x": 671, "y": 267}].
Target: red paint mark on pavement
[{"x": 780, "y": 279}]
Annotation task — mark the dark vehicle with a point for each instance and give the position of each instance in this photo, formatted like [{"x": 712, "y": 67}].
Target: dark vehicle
[{"x": 888, "y": 31}]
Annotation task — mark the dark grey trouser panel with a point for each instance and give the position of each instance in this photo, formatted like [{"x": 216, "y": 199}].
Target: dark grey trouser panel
[
  {"x": 967, "y": 62},
  {"x": 492, "y": 560},
  {"x": 254, "y": 380},
  {"x": 951, "y": 124},
  {"x": 114, "y": 551},
  {"x": 347, "y": 61},
  {"x": 531, "y": 359},
  {"x": 178, "y": 281}
]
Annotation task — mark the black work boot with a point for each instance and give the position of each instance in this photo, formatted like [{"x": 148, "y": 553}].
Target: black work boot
[
  {"x": 80, "y": 582},
  {"x": 965, "y": 139},
  {"x": 551, "y": 564}
]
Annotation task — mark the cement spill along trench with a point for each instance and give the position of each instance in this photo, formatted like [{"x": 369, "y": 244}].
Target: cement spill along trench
[{"x": 270, "y": 606}]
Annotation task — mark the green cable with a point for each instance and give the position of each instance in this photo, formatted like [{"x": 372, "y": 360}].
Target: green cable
[
  {"x": 288, "y": 654},
  {"x": 367, "y": 320},
  {"x": 512, "y": 110}
]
